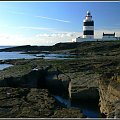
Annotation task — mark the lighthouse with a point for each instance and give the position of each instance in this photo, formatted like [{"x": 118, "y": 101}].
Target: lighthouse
[
  {"x": 88, "y": 26},
  {"x": 88, "y": 32}
]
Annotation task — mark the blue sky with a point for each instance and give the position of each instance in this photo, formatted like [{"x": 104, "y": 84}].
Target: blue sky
[{"x": 47, "y": 23}]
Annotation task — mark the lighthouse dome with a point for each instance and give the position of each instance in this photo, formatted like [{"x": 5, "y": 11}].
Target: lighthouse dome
[{"x": 88, "y": 13}]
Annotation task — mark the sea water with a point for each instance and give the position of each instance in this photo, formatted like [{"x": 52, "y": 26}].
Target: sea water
[
  {"x": 3, "y": 66},
  {"x": 14, "y": 55},
  {"x": 2, "y": 47},
  {"x": 11, "y": 55},
  {"x": 91, "y": 110},
  {"x": 18, "y": 55}
]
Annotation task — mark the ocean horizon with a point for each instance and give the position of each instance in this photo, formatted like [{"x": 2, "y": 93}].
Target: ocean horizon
[{"x": 6, "y": 46}]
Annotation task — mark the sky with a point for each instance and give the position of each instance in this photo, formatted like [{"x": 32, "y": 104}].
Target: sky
[{"x": 48, "y": 23}]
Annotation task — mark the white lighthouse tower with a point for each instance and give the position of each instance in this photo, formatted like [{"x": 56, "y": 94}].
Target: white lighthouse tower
[{"x": 88, "y": 26}]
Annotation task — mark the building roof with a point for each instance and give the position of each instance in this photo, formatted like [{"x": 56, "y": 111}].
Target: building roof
[{"x": 109, "y": 34}]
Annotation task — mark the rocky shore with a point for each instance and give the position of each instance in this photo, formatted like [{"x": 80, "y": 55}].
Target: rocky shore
[
  {"x": 27, "y": 91},
  {"x": 92, "y": 76}
]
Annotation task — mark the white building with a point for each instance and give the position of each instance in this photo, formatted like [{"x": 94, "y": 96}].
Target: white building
[{"x": 109, "y": 36}]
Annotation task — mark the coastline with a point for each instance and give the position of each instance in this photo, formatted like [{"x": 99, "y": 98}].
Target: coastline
[{"x": 94, "y": 59}]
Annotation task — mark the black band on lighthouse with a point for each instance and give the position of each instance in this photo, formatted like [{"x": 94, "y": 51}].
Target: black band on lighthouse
[
  {"x": 88, "y": 23},
  {"x": 88, "y": 32}
]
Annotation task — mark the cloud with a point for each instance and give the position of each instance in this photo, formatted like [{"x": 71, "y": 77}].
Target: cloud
[
  {"x": 59, "y": 34},
  {"x": 43, "y": 17},
  {"x": 65, "y": 21},
  {"x": 4, "y": 36},
  {"x": 35, "y": 28},
  {"x": 53, "y": 38},
  {"x": 48, "y": 38},
  {"x": 12, "y": 39},
  {"x": 28, "y": 28},
  {"x": 99, "y": 32}
]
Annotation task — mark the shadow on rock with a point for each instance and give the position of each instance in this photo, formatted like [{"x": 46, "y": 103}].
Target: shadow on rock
[
  {"x": 34, "y": 79},
  {"x": 40, "y": 78}
]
